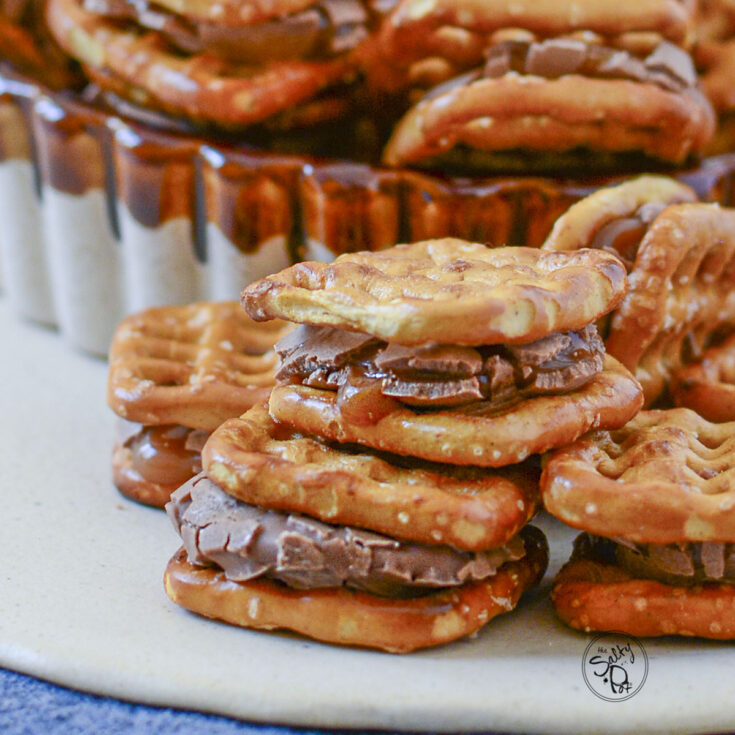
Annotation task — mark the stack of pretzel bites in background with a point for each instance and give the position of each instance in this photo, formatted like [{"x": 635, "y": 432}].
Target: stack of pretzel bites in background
[
  {"x": 227, "y": 140},
  {"x": 585, "y": 86},
  {"x": 545, "y": 86},
  {"x": 381, "y": 497},
  {"x": 655, "y": 498}
]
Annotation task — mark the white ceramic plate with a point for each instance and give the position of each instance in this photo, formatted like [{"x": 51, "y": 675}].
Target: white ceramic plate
[{"x": 82, "y": 604}]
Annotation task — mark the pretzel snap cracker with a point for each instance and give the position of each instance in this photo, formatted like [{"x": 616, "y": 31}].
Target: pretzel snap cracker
[
  {"x": 585, "y": 221},
  {"x": 193, "y": 365},
  {"x": 592, "y": 594},
  {"x": 477, "y": 434},
  {"x": 573, "y": 119},
  {"x": 665, "y": 477},
  {"x": 202, "y": 87},
  {"x": 350, "y": 618},
  {"x": 447, "y": 291},
  {"x": 263, "y": 463},
  {"x": 460, "y": 29},
  {"x": 682, "y": 273}
]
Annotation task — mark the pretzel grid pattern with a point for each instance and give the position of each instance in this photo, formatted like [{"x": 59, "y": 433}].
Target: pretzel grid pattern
[
  {"x": 193, "y": 365},
  {"x": 666, "y": 477},
  {"x": 447, "y": 291},
  {"x": 682, "y": 284}
]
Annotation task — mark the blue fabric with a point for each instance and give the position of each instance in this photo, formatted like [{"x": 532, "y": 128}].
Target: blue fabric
[{"x": 29, "y": 706}]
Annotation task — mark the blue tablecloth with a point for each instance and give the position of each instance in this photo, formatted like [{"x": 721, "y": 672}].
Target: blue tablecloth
[{"x": 29, "y": 707}]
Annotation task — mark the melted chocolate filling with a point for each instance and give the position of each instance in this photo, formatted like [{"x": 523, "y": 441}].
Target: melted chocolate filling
[
  {"x": 685, "y": 563},
  {"x": 327, "y": 28},
  {"x": 249, "y": 542},
  {"x": 438, "y": 375},
  {"x": 666, "y": 66}
]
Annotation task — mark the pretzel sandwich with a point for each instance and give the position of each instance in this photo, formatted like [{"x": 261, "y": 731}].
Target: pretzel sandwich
[
  {"x": 346, "y": 617},
  {"x": 680, "y": 259},
  {"x": 460, "y": 354},
  {"x": 176, "y": 373},
  {"x": 204, "y": 87},
  {"x": 559, "y": 102},
  {"x": 460, "y": 30},
  {"x": 655, "y": 499},
  {"x": 285, "y": 531}
]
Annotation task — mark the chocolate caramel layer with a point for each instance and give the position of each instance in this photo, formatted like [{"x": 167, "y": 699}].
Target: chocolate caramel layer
[
  {"x": 667, "y": 65},
  {"x": 327, "y": 28},
  {"x": 439, "y": 375},
  {"x": 168, "y": 455},
  {"x": 303, "y": 553},
  {"x": 623, "y": 236},
  {"x": 684, "y": 563}
]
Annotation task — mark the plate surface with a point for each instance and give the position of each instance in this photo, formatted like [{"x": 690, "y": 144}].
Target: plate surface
[{"x": 82, "y": 604}]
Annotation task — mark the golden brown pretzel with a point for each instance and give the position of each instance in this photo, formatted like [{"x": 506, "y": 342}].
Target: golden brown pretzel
[
  {"x": 681, "y": 276},
  {"x": 260, "y": 462},
  {"x": 718, "y": 76},
  {"x": 447, "y": 291},
  {"x": 682, "y": 290},
  {"x": 193, "y": 365},
  {"x": 551, "y": 116},
  {"x": 590, "y": 594},
  {"x": 234, "y": 12},
  {"x": 580, "y": 224},
  {"x": 201, "y": 87},
  {"x": 460, "y": 29},
  {"x": 477, "y": 434},
  {"x": 350, "y": 618},
  {"x": 665, "y": 477}
]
